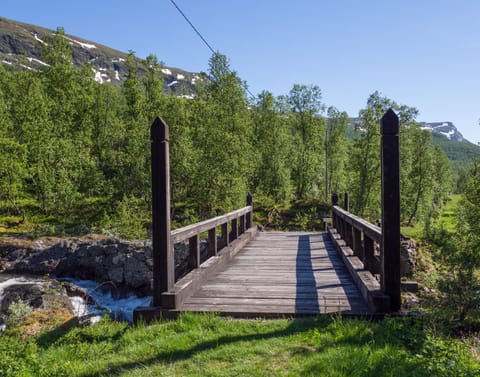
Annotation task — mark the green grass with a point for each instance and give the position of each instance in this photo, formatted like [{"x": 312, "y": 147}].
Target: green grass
[
  {"x": 446, "y": 220},
  {"x": 207, "y": 345},
  {"x": 447, "y": 216}
]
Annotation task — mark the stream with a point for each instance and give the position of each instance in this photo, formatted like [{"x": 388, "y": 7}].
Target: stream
[{"x": 107, "y": 299}]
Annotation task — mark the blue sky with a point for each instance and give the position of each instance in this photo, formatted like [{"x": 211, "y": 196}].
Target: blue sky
[{"x": 421, "y": 53}]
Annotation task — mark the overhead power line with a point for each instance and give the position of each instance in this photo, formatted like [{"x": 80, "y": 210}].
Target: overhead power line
[
  {"x": 202, "y": 38},
  {"x": 193, "y": 26}
]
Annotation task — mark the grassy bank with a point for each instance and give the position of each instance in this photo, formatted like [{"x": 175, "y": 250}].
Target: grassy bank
[{"x": 207, "y": 345}]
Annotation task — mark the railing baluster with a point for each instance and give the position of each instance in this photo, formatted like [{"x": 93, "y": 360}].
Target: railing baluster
[
  {"x": 194, "y": 247},
  {"x": 357, "y": 243},
  {"x": 348, "y": 234},
  {"x": 369, "y": 252},
  {"x": 242, "y": 225},
  {"x": 225, "y": 237},
  {"x": 212, "y": 242},
  {"x": 249, "y": 215},
  {"x": 234, "y": 229}
]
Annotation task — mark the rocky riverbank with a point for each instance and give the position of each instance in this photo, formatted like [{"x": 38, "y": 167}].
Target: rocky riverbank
[{"x": 124, "y": 263}]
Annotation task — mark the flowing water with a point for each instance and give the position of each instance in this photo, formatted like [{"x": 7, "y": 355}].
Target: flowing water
[{"x": 107, "y": 300}]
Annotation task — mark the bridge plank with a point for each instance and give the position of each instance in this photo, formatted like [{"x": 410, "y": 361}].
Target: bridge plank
[{"x": 290, "y": 273}]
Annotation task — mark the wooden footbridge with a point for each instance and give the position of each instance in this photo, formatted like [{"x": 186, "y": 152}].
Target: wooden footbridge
[{"x": 352, "y": 268}]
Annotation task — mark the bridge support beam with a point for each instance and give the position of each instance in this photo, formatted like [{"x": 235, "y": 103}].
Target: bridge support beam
[{"x": 390, "y": 159}]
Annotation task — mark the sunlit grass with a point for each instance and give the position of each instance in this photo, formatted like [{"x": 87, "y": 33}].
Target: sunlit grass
[
  {"x": 207, "y": 345},
  {"x": 447, "y": 216}
]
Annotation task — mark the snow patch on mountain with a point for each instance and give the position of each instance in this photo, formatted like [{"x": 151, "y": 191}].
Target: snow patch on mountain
[
  {"x": 39, "y": 40},
  {"x": 87, "y": 46},
  {"x": 38, "y": 61},
  {"x": 446, "y": 129}
]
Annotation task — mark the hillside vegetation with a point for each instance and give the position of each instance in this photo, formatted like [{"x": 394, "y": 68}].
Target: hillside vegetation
[
  {"x": 22, "y": 47},
  {"x": 460, "y": 154},
  {"x": 76, "y": 153}
]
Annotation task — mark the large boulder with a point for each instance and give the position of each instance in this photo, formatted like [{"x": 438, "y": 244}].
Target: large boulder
[
  {"x": 121, "y": 262},
  {"x": 37, "y": 295}
]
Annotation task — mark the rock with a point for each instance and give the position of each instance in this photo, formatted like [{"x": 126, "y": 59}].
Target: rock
[
  {"x": 29, "y": 293},
  {"x": 74, "y": 290},
  {"x": 37, "y": 295},
  {"x": 122, "y": 262},
  {"x": 49, "y": 301},
  {"x": 408, "y": 251}
]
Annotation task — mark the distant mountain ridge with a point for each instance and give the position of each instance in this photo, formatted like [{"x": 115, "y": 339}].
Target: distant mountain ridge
[
  {"x": 21, "y": 47},
  {"x": 446, "y": 129}
]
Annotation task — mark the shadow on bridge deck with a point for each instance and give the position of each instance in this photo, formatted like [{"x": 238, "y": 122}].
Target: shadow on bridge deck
[{"x": 281, "y": 274}]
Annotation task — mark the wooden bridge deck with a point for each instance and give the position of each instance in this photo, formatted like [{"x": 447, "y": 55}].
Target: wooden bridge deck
[{"x": 281, "y": 274}]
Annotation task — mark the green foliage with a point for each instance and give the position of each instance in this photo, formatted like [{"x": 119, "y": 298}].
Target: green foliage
[
  {"x": 221, "y": 137},
  {"x": 12, "y": 170},
  {"x": 128, "y": 220},
  {"x": 425, "y": 178},
  {"x": 17, "y": 313},
  {"x": 272, "y": 145},
  {"x": 336, "y": 153},
  {"x": 461, "y": 155},
  {"x": 457, "y": 248},
  {"x": 75, "y": 142},
  {"x": 307, "y": 127}
]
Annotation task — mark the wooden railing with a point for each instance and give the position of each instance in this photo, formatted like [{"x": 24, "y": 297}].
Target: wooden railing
[
  {"x": 239, "y": 220},
  {"x": 361, "y": 236},
  {"x": 377, "y": 249}
]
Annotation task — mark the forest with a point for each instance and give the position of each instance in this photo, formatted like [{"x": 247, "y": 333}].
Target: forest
[{"x": 76, "y": 157}]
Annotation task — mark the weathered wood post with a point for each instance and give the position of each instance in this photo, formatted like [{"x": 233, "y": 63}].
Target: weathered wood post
[
  {"x": 346, "y": 203},
  {"x": 348, "y": 227},
  {"x": 390, "y": 157},
  {"x": 163, "y": 265},
  {"x": 250, "y": 214},
  {"x": 334, "y": 218},
  {"x": 334, "y": 199}
]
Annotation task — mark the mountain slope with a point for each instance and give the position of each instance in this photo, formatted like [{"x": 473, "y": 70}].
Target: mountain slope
[
  {"x": 21, "y": 47},
  {"x": 460, "y": 152},
  {"x": 446, "y": 129}
]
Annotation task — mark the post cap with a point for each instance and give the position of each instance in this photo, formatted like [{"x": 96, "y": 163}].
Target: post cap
[
  {"x": 334, "y": 199},
  {"x": 159, "y": 130},
  {"x": 389, "y": 123}
]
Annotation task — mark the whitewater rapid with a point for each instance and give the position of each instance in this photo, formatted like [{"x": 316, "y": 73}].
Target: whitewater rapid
[{"x": 105, "y": 303}]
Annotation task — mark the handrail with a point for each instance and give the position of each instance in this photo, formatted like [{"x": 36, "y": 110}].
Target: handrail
[
  {"x": 371, "y": 230},
  {"x": 186, "y": 232},
  {"x": 162, "y": 236},
  {"x": 360, "y": 236}
]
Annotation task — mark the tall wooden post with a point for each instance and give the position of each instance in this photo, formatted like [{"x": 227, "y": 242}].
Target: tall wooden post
[
  {"x": 163, "y": 264},
  {"x": 346, "y": 202},
  {"x": 390, "y": 157}
]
